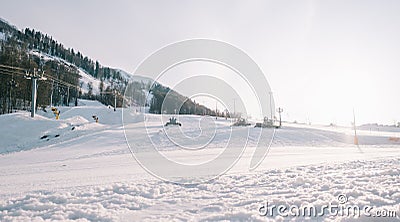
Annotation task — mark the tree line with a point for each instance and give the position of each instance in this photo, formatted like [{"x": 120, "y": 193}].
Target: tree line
[
  {"x": 16, "y": 51},
  {"x": 15, "y": 89},
  {"x": 167, "y": 101},
  {"x": 63, "y": 86}
]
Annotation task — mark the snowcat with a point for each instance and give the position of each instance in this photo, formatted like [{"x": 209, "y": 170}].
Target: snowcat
[
  {"x": 173, "y": 121},
  {"x": 267, "y": 123},
  {"x": 241, "y": 122}
]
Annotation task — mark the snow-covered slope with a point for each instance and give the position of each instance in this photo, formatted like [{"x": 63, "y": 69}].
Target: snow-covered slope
[
  {"x": 44, "y": 130},
  {"x": 136, "y": 78},
  {"x": 2, "y": 36},
  {"x": 85, "y": 80},
  {"x": 88, "y": 172},
  {"x": 77, "y": 121}
]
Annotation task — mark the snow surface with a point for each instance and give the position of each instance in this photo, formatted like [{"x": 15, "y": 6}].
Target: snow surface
[
  {"x": 136, "y": 78},
  {"x": 88, "y": 173},
  {"x": 2, "y": 36},
  {"x": 87, "y": 79}
]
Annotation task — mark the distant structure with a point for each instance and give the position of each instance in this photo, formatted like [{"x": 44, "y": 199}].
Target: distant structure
[
  {"x": 241, "y": 122},
  {"x": 267, "y": 123},
  {"x": 173, "y": 121},
  {"x": 96, "y": 118},
  {"x": 280, "y": 110}
]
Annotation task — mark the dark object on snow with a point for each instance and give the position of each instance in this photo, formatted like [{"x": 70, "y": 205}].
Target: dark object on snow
[
  {"x": 44, "y": 137},
  {"x": 56, "y": 112},
  {"x": 96, "y": 118},
  {"x": 73, "y": 128},
  {"x": 241, "y": 122},
  {"x": 47, "y": 137},
  {"x": 259, "y": 125},
  {"x": 267, "y": 123},
  {"x": 173, "y": 121}
]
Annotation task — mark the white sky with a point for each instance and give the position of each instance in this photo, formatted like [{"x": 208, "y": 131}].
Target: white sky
[{"x": 321, "y": 58}]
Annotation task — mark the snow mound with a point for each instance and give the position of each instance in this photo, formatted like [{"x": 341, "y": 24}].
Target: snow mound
[
  {"x": 76, "y": 120},
  {"x": 22, "y": 131},
  {"x": 25, "y": 133}
]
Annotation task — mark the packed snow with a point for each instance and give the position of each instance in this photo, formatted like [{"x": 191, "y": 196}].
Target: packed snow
[{"x": 76, "y": 169}]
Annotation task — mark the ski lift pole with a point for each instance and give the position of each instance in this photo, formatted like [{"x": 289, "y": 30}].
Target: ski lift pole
[
  {"x": 33, "y": 101},
  {"x": 115, "y": 100},
  {"x": 51, "y": 96},
  {"x": 216, "y": 108},
  {"x": 355, "y": 129},
  {"x": 280, "y": 110},
  {"x": 234, "y": 107},
  {"x": 270, "y": 104},
  {"x": 68, "y": 97},
  {"x": 34, "y": 77},
  {"x": 12, "y": 85}
]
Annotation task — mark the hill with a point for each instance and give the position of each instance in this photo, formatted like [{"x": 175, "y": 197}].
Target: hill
[{"x": 70, "y": 75}]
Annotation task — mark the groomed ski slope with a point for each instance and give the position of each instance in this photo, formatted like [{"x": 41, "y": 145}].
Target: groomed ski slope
[{"x": 84, "y": 170}]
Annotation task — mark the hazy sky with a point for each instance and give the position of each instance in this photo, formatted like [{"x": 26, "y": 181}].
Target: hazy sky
[{"x": 321, "y": 58}]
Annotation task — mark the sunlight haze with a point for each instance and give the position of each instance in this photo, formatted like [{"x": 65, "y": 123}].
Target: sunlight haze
[{"x": 322, "y": 59}]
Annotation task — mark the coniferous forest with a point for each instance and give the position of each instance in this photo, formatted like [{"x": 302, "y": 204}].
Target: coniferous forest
[{"x": 21, "y": 53}]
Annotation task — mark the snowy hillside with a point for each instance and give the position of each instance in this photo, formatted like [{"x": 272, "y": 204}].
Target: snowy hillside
[
  {"x": 2, "y": 36},
  {"x": 75, "y": 168},
  {"x": 136, "y": 78},
  {"x": 85, "y": 78}
]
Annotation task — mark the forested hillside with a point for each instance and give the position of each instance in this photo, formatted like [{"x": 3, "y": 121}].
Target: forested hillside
[{"x": 69, "y": 75}]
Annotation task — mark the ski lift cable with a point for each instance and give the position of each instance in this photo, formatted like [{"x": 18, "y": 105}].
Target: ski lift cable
[
  {"x": 11, "y": 70},
  {"x": 59, "y": 81},
  {"x": 6, "y": 72},
  {"x": 12, "y": 67},
  {"x": 10, "y": 73}
]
